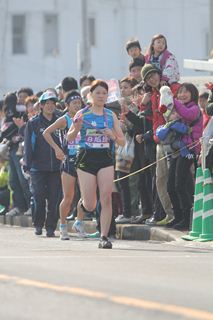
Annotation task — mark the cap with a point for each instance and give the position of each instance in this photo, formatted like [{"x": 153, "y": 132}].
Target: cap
[{"x": 48, "y": 95}]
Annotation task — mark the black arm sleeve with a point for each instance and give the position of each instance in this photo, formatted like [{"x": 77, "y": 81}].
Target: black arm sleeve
[{"x": 137, "y": 120}]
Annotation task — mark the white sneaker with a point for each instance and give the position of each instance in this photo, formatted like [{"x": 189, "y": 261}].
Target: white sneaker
[
  {"x": 28, "y": 212},
  {"x": 64, "y": 233},
  {"x": 14, "y": 212},
  {"x": 78, "y": 227},
  {"x": 122, "y": 219},
  {"x": 119, "y": 217}
]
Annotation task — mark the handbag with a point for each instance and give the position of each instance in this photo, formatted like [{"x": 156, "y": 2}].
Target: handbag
[{"x": 127, "y": 152}]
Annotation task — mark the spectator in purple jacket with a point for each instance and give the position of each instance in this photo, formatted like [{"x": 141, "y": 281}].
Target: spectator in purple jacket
[{"x": 180, "y": 177}]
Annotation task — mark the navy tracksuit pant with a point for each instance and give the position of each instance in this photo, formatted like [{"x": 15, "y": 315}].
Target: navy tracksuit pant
[{"x": 47, "y": 194}]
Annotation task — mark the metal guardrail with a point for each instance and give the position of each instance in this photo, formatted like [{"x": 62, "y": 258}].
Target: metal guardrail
[
  {"x": 198, "y": 64},
  {"x": 198, "y": 81}
]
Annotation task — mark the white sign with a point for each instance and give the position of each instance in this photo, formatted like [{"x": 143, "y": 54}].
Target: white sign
[{"x": 114, "y": 90}]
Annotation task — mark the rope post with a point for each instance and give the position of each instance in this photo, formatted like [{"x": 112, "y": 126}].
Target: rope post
[
  {"x": 207, "y": 223},
  {"x": 198, "y": 208}
]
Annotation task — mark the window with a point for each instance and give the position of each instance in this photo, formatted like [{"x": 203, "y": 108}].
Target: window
[
  {"x": 51, "y": 34},
  {"x": 19, "y": 34},
  {"x": 91, "y": 28}
]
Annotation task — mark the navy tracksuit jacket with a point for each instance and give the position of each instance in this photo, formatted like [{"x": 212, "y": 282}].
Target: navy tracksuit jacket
[{"x": 44, "y": 169}]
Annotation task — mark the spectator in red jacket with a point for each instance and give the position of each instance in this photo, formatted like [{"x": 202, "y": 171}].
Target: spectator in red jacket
[{"x": 152, "y": 77}]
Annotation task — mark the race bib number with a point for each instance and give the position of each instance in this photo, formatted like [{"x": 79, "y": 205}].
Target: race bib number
[
  {"x": 74, "y": 145},
  {"x": 96, "y": 139}
]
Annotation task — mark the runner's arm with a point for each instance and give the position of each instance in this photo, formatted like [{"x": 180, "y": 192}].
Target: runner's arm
[
  {"x": 74, "y": 129},
  {"x": 58, "y": 124},
  {"x": 119, "y": 136}
]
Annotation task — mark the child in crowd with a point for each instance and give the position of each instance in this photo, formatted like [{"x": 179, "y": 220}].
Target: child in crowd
[
  {"x": 164, "y": 60},
  {"x": 135, "y": 67},
  {"x": 133, "y": 49}
]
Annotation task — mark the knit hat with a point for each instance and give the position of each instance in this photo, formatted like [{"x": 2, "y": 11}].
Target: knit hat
[{"x": 147, "y": 70}]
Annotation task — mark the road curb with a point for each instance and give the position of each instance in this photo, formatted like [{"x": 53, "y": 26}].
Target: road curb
[
  {"x": 133, "y": 232},
  {"x": 145, "y": 232},
  {"x": 163, "y": 234},
  {"x": 124, "y": 231}
]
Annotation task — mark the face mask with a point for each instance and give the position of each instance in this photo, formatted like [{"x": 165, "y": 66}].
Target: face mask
[{"x": 20, "y": 108}]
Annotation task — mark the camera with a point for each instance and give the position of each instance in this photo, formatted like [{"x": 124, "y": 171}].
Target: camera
[
  {"x": 142, "y": 87},
  {"x": 147, "y": 88}
]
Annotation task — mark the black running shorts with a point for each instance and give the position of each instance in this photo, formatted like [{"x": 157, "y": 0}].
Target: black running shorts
[
  {"x": 68, "y": 166},
  {"x": 92, "y": 161}
]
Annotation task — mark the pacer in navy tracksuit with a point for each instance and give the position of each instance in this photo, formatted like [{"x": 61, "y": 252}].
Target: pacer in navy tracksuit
[{"x": 44, "y": 168}]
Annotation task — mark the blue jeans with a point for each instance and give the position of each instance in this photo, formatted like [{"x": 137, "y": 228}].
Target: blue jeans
[{"x": 18, "y": 184}]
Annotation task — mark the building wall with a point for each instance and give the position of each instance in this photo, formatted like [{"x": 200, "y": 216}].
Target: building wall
[
  {"x": 34, "y": 68},
  {"x": 184, "y": 23}
]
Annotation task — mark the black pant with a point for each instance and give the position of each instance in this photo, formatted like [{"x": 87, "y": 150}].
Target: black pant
[
  {"x": 5, "y": 197},
  {"x": 180, "y": 186},
  {"x": 159, "y": 212},
  {"x": 145, "y": 179},
  {"x": 209, "y": 160},
  {"x": 46, "y": 187},
  {"x": 125, "y": 193}
]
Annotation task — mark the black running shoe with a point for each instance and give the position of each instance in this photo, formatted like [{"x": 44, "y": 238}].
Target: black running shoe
[
  {"x": 50, "y": 233},
  {"x": 38, "y": 231},
  {"x": 105, "y": 243}
]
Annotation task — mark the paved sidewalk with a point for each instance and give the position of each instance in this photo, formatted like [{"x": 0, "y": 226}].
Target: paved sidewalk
[{"x": 124, "y": 231}]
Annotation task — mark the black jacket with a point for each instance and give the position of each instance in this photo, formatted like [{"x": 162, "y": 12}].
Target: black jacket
[
  {"x": 209, "y": 108},
  {"x": 145, "y": 152},
  {"x": 8, "y": 128},
  {"x": 38, "y": 154},
  {"x": 141, "y": 125}
]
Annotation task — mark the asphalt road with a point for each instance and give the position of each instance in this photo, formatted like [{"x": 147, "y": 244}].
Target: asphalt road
[{"x": 42, "y": 278}]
